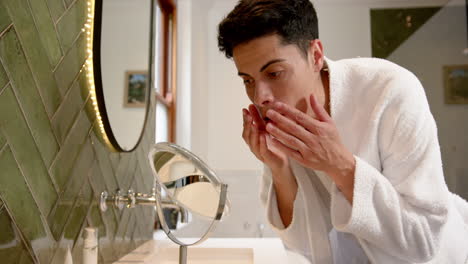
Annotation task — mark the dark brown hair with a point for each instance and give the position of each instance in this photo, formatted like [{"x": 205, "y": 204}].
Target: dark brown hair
[{"x": 295, "y": 21}]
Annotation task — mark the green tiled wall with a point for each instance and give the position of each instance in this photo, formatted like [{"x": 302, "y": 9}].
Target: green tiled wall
[{"x": 52, "y": 165}]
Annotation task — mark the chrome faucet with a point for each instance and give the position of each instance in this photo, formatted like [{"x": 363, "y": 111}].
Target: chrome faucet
[{"x": 132, "y": 199}]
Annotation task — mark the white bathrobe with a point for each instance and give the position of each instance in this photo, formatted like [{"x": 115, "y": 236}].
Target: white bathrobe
[{"x": 402, "y": 210}]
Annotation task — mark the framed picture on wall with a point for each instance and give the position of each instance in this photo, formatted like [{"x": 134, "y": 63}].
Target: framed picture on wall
[
  {"x": 456, "y": 84},
  {"x": 136, "y": 83}
]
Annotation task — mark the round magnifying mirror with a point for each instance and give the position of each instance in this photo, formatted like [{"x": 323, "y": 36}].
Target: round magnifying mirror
[
  {"x": 123, "y": 52},
  {"x": 191, "y": 198}
]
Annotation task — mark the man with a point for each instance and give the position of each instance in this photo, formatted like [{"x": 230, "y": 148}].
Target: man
[{"x": 353, "y": 171}]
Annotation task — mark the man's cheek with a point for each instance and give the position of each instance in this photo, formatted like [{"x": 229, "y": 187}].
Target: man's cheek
[
  {"x": 250, "y": 94},
  {"x": 302, "y": 105}
]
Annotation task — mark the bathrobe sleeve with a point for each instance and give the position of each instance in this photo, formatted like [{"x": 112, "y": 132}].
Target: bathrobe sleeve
[{"x": 402, "y": 208}]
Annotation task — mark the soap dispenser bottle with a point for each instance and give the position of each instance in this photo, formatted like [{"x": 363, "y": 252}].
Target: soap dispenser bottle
[{"x": 90, "y": 246}]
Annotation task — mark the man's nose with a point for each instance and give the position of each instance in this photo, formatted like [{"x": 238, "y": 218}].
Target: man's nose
[{"x": 263, "y": 95}]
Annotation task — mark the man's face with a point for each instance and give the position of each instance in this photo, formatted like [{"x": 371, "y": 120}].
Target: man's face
[{"x": 274, "y": 72}]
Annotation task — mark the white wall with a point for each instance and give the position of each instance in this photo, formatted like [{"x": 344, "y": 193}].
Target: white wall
[
  {"x": 441, "y": 42},
  {"x": 125, "y": 46},
  {"x": 184, "y": 75},
  {"x": 218, "y": 95}
]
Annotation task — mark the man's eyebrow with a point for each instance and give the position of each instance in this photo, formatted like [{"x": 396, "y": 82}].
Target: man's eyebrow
[
  {"x": 269, "y": 63},
  {"x": 263, "y": 67}
]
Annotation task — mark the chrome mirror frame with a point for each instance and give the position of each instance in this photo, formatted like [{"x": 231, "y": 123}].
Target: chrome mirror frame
[{"x": 223, "y": 202}]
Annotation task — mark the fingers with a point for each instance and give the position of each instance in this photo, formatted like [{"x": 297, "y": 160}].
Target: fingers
[
  {"x": 250, "y": 133},
  {"x": 254, "y": 140},
  {"x": 289, "y": 126},
  {"x": 264, "y": 150},
  {"x": 288, "y": 151},
  {"x": 247, "y": 123},
  {"x": 299, "y": 117},
  {"x": 287, "y": 139},
  {"x": 256, "y": 117},
  {"x": 319, "y": 111}
]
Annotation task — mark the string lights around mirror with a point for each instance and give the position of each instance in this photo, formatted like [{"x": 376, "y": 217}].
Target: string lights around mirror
[{"x": 89, "y": 70}]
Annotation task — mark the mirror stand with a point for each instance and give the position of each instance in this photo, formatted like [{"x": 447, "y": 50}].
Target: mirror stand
[
  {"x": 131, "y": 199},
  {"x": 183, "y": 183},
  {"x": 182, "y": 254}
]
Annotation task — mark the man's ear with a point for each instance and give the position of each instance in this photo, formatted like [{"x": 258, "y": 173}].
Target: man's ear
[{"x": 316, "y": 54}]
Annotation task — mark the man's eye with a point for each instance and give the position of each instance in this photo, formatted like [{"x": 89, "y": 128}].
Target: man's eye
[
  {"x": 247, "y": 82},
  {"x": 275, "y": 74}
]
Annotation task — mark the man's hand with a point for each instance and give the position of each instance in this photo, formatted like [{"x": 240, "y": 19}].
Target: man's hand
[
  {"x": 313, "y": 142},
  {"x": 259, "y": 141}
]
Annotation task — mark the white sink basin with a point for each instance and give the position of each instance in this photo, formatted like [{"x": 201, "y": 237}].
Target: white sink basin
[
  {"x": 206, "y": 256},
  {"x": 212, "y": 251}
]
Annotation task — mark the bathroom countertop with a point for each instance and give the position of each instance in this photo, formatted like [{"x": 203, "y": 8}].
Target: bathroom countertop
[{"x": 265, "y": 250}]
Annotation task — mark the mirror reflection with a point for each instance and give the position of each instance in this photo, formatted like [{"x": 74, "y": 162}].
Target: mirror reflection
[
  {"x": 186, "y": 184},
  {"x": 197, "y": 197}
]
